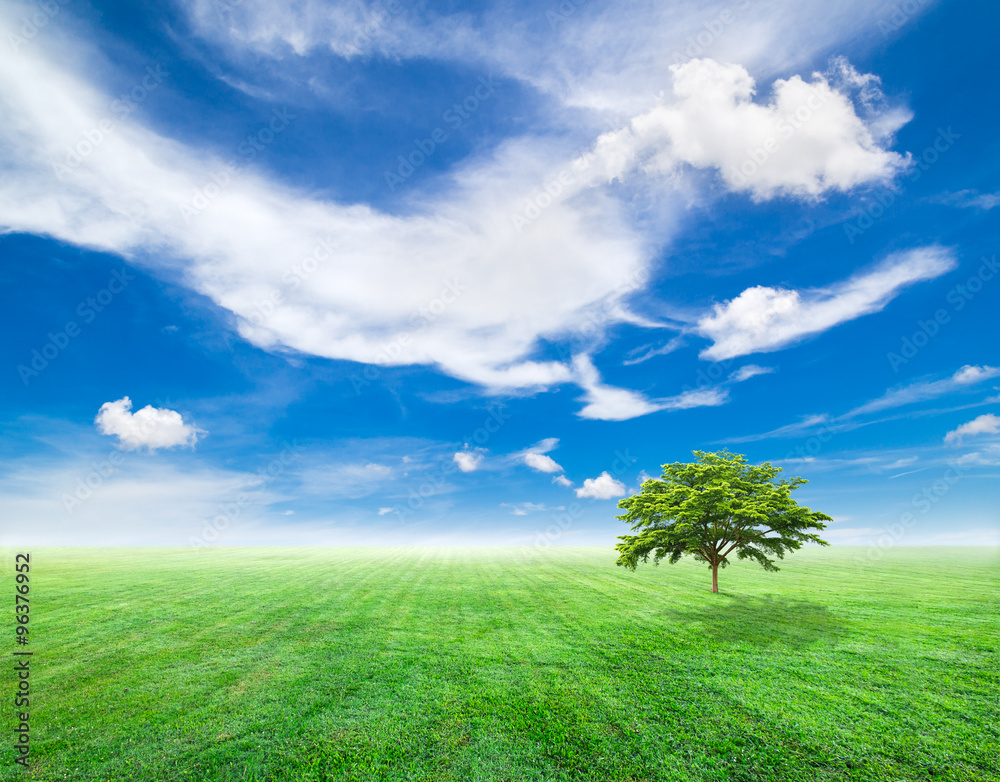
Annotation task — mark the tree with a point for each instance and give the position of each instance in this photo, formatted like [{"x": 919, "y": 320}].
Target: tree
[{"x": 714, "y": 507}]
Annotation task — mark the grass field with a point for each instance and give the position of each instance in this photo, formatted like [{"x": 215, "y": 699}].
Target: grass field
[{"x": 507, "y": 664}]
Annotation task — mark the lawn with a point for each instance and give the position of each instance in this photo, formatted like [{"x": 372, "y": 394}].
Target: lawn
[{"x": 507, "y": 664}]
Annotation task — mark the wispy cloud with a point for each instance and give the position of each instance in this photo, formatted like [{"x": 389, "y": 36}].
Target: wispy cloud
[
  {"x": 646, "y": 352},
  {"x": 345, "y": 480},
  {"x": 967, "y": 376},
  {"x": 764, "y": 319},
  {"x": 749, "y": 371},
  {"x": 970, "y": 199}
]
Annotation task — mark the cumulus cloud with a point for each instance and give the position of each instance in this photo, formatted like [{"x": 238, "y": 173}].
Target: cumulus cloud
[
  {"x": 151, "y": 427},
  {"x": 468, "y": 461},
  {"x": 763, "y": 319},
  {"x": 603, "y": 487},
  {"x": 984, "y": 424},
  {"x": 806, "y": 141}
]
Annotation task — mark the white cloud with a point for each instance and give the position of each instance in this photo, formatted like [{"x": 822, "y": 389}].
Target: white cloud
[
  {"x": 385, "y": 511},
  {"x": 970, "y": 374},
  {"x": 562, "y": 480},
  {"x": 603, "y": 487},
  {"x": 541, "y": 462},
  {"x": 606, "y": 403},
  {"x": 984, "y": 424},
  {"x": 807, "y": 141},
  {"x": 970, "y": 199},
  {"x": 924, "y": 390},
  {"x": 468, "y": 461},
  {"x": 535, "y": 456},
  {"x": 151, "y": 427},
  {"x": 749, "y": 371},
  {"x": 764, "y": 319},
  {"x": 699, "y": 397},
  {"x": 920, "y": 391}
]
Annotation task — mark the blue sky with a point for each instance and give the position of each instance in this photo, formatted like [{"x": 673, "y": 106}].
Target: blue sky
[{"x": 354, "y": 272}]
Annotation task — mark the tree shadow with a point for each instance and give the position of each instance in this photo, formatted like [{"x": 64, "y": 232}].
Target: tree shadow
[{"x": 761, "y": 621}]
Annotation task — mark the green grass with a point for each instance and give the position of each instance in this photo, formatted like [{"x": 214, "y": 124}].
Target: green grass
[{"x": 507, "y": 664}]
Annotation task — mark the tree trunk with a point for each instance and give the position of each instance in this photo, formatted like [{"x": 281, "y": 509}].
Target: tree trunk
[{"x": 715, "y": 576}]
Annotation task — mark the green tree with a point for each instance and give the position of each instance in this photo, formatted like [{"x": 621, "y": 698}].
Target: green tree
[{"x": 714, "y": 507}]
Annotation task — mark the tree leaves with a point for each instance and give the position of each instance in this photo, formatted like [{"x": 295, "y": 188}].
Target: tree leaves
[{"x": 713, "y": 508}]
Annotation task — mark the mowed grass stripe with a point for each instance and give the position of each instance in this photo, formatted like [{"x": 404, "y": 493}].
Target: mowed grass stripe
[{"x": 513, "y": 664}]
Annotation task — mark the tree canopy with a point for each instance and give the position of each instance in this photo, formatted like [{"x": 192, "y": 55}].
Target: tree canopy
[{"x": 714, "y": 507}]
